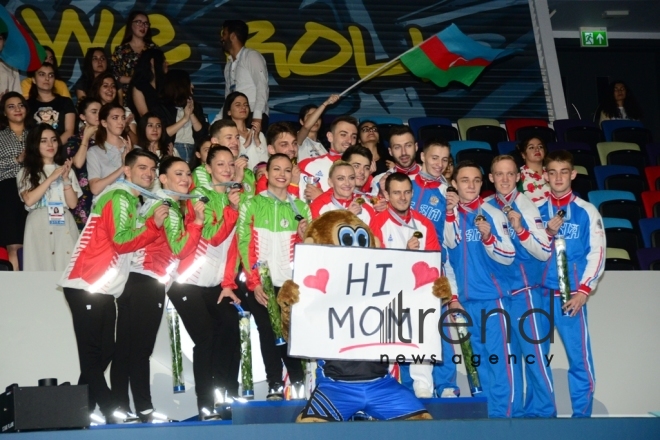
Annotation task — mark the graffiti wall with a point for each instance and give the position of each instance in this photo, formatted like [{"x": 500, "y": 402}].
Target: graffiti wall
[{"x": 314, "y": 48}]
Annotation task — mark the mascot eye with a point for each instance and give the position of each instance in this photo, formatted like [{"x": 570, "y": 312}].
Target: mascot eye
[
  {"x": 346, "y": 236},
  {"x": 362, "y": 238}
]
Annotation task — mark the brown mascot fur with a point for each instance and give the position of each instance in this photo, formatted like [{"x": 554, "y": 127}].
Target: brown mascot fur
[{"x": 324, "y": 230}]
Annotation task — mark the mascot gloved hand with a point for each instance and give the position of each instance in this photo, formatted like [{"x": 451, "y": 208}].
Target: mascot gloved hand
[
  {"x": 289, "y": 295},
  {"x": 346, "y": 387}
]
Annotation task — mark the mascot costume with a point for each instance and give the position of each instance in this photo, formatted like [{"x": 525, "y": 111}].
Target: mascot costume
[{"x": 346, "y": 387}]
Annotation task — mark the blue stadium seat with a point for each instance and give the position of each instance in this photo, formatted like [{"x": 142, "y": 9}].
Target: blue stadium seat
[
  {"x": 621, "y": 234},
  {"x": 416, "y": 123},
  {"x": 458, "y": 146},
  {"x": 597, "y": 198},
  {"x": 650, "y": 228},
  {"x": 507, "y": 147},
  {"x": 583, "y": 133},
  {"x": 562, "y": 125},
  {"x": 617, "y": 204},
  {"x": 653, "y": 152},
  {"x": 487, "y": 133},
  {"x": 609, "y": 127},
  {"x": 649, "y": 259},
  {"x": 620, "y": 177},
  {"x": 635, "y": 135},
  {"x": 610, "y": 222},
  {"x": 546, "y": 134}
]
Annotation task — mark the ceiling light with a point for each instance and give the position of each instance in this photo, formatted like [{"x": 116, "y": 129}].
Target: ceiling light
[{"x": 616, "y": 14}]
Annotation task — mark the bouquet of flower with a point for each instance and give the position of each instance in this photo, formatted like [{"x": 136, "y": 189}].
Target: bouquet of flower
[
  {"x": 273, "y": 308},
  {"x": 178, "y": 382},
  {"x": 466, "y": 349},
  {"x": 247, "y": 383},
  {"x": 562, "y": 271}
]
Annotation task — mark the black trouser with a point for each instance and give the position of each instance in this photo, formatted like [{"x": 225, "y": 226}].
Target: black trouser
[
  {"x": 214, "y": 330},
  {"x": 94, "y": 325},
  {"x": 139, "y": 312},
  {"x": 264, "y": 123},
  {"x": 271, "y": 353}
]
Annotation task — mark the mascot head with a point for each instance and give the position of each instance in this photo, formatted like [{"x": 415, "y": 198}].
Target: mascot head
[{"x": 341, "y": 228}]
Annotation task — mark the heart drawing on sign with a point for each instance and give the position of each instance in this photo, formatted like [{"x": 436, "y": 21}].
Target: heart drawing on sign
[
  {"x": 424, "y": 274},
  {"x": 318, "y": 281}
]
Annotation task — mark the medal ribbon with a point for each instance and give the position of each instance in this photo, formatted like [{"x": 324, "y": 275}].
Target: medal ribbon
[
  {"x": 148, "y": 194},
  {"x": 402, "y": 221},
  {"x": 289, "y": 199}
]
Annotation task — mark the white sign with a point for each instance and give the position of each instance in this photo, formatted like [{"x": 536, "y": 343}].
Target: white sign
[{"x": 365, "y": 304}]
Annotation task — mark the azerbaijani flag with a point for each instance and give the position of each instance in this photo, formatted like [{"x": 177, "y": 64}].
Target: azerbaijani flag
[
  {"x": 449, "y": 56},
  {"x": 21, "y": 51}
]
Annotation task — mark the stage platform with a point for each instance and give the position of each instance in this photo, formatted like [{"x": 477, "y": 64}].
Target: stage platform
[
  {"x": 495, "y": 429},
  {"x": 461, "y": 418}
]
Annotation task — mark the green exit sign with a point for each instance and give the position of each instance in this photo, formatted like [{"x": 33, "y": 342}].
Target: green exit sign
[{"x": 593, "y": 37}]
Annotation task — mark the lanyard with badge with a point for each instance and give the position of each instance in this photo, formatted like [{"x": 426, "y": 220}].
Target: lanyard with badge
[
  {"x": 413, "y": 226},
  {"x": 298, "y": 216},
  {"x": 480, "y": 216},
  {"x": 507, "y": 206},
  {"x": 55, "y": 207},
  {"x": 565, "y": 214},
  {"x": 427, "y": 176},
  {"x": 359, "y": 201},
  {"x": 183, "y": 196}
]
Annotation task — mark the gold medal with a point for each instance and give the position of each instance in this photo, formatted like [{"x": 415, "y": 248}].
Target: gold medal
[
  {"x": 561, "y": 213},
  {"x": 360, "y": 200},
  {"x": 418, "y": 234},
  {"x": 479, "y": 218},
  {"x": 374, "y": 200},
  {"x": 506, "y": 209}
]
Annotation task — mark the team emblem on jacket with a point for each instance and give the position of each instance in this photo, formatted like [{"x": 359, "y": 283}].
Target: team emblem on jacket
[
  {"x": 434, "y": 200},
  {"x": 247, "y": 187},
  {"x": 284, "y": 223}
]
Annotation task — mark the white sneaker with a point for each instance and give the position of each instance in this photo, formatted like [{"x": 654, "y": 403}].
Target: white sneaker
[
  {"x": 422, "y": 392},
  {"x": 448, "y": 392}
]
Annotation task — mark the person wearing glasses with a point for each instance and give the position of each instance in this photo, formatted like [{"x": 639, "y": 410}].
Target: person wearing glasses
[
  {"x": 531, "y": 182},
  {"x": 136, "y": 40}
]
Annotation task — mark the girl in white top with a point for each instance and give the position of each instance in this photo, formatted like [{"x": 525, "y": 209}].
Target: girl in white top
[
  {"x": 252, "y": 142},
  {"x": 49, "y": 188},
  {"x": 105, "y": 160},
  {"x": 310, "y": 124}
]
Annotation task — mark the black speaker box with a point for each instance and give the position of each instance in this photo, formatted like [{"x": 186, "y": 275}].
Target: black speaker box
[{"x": 44, "y": 407}]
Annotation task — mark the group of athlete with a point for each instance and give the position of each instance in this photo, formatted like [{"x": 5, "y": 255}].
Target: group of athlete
[{"x": 196, "y": 236}]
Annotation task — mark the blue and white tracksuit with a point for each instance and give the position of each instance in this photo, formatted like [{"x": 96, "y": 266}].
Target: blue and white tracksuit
[
  {"x": 585, "y": 251},
  {"x": 532, "y": 252},
  {"x": 483, "y": 285},
  {"x": 429, "y": 199}
]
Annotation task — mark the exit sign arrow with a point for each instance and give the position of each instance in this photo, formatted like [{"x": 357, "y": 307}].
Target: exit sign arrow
[{"x": 593, "y": 37}]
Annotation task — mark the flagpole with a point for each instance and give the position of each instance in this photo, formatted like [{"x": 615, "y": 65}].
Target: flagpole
[{"x": 383, "y": 67}]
